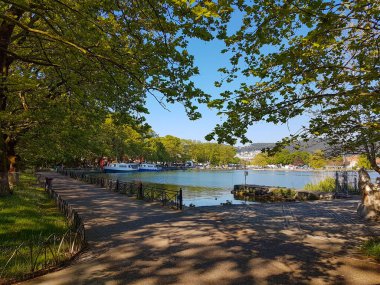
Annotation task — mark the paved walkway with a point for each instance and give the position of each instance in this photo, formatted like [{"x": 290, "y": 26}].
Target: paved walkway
[{"x": 132, "y": 242}]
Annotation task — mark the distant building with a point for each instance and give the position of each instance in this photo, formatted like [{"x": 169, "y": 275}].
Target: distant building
[
  {"x": 351, "y": 161},
  {"x": 247, "y": 155},
  {"x": 272, "y": 166}
]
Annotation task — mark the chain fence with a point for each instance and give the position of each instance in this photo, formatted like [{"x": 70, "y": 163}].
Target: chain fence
[{"x": 34, "y": 258}]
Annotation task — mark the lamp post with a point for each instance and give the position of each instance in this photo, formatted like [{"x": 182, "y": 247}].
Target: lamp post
[{"x": 245, "y": 179}]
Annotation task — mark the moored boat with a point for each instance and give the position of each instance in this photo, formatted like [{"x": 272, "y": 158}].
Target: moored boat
[
  {"x": 121, "y": 167},
  {"x": 149, "y": 167}
]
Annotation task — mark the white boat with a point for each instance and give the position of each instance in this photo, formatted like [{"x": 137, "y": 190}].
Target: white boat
[
  {"x": 121, "y": 167},
  {"x": 149, "y": 167}
]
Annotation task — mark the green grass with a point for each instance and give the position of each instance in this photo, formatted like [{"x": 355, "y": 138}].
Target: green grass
[
  {"x": 28, "y": 216},
  {"x": 284, "y": 193},
  {"x": 326, "y": 185},
  {"x": 372, "y": 248}
]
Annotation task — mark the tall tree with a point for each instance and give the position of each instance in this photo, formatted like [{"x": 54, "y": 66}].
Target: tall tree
[
  {"x": 60, "y": 135},
  {"x": 154, "y": 150},
  {"x": 303, "y": 56},
  {"x": 317, "y": 159},
  {"x": 260, "y": 159},
  {"x": 104, "y": 55},
  {"x": 174, "y": 148}
]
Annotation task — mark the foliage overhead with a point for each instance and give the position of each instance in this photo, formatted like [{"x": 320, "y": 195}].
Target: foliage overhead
[
  {"x": 93, "y": 58},
  {"x": 304, "y": 56},
  {"x": 62, "y": 58},
  {"x": 109, "y": 55}
]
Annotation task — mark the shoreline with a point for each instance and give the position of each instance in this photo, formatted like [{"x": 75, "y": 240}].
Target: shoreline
[
  {"x": 276, "y": 169},
  {"x": 140, "y": 243}
]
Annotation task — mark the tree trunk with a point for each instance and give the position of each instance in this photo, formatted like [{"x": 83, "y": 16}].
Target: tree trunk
[
  {"x": 374, "y": 165},
  {"x": 4, "y": 184},
  {"x": 371, "y": 155},
  {"x": 13, "y": 164},
  {"x": 6, "y": 31}
]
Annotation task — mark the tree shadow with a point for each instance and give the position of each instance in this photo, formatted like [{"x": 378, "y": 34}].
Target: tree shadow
[{"x": 132, "y": 242}]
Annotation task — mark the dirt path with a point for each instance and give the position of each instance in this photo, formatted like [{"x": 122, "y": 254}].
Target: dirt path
[{"x": 132, "y": 242}]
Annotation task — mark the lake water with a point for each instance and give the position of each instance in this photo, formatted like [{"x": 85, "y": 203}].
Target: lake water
[{"x": 202, "y": 187}]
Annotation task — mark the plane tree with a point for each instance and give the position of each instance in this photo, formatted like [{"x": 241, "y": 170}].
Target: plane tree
[
  {"x": 98, "y": 56},
  {"x": 313, "y": 57}
]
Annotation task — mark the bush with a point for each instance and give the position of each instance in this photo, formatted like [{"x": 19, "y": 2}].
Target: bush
[{"x": 326, "y": 185}]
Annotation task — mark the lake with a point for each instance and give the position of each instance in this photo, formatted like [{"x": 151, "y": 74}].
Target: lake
[{"x": 212, "y": 187}]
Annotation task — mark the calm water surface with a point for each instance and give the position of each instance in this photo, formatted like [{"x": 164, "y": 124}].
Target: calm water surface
[{"x": 202, "y": 187}]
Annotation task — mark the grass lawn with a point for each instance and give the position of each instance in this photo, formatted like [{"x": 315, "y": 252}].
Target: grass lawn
[
  {"x": 372, "y": 248},
  {"x": 28, "y": 216}
]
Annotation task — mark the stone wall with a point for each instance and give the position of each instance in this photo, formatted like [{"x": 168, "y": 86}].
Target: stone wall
[
  {"x": 369, "y": 207},
  {"x": 262, "y": 193}
]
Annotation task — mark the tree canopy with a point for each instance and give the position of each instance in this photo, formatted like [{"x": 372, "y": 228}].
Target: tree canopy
[
  {"x": 61, "y": 58},
  {"x": 66, "y": 65},
  {"x": 316, "y": 159},
  {"x": 305, "y": 56},
  {"x": 283, "y": 157}
]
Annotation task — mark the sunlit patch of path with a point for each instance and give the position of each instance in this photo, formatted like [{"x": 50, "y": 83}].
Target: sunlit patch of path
[{"x": 133, "y": 242}]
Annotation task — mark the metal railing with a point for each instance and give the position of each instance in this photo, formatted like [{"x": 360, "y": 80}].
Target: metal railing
[
  {"x": 346, "y": 182},
  {"x": 72, "y": 216},
  {"x": 34, "y": 258},
  {"x": 146, "y": 192}
]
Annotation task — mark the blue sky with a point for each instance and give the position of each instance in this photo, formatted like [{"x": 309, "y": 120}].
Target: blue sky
[{"x": 175, "y": 122}]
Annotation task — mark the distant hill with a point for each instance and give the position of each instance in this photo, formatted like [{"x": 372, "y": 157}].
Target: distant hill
[
  {"x": 254, "y": 147},
  {"x": 309, "y": 146}
]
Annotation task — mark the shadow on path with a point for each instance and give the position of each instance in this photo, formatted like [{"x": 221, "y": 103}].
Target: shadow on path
[{"x": 132, "y": 242}]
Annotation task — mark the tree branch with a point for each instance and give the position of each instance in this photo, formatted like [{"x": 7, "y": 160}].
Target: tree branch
[{"x": 37, "y": 61}]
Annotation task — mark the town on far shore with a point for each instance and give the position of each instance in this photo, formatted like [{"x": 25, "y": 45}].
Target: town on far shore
[
  {"x": 185, "y": 154},
  {"x": 309, "y": 158}
]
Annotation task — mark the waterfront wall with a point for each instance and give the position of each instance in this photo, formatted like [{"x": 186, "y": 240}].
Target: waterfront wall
[{"x": 264, "y": 193}]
